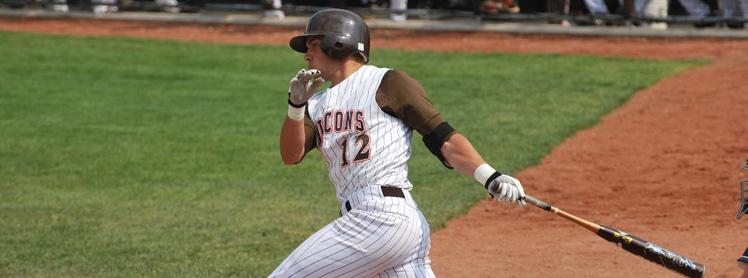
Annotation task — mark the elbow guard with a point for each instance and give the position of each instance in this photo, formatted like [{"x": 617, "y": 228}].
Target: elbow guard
[{"x": 436, "y": 139}]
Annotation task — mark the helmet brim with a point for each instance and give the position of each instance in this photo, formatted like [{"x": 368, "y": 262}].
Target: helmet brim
[{"x": 298, "y": 43}]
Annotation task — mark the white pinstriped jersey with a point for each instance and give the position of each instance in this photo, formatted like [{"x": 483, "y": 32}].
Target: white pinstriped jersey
[
  {"x": 366, "y": 148},
  {"x": 362, "y": 145}
]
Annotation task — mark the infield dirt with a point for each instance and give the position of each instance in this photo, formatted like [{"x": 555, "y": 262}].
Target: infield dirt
[{"x": 664, "y": 166}]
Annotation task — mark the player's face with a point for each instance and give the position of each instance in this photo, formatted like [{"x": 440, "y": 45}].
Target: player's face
[{"x": 316, "y": 59}]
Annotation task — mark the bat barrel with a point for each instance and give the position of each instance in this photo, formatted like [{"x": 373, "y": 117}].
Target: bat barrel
[
  {"x": 653, "y": 252},
  {"x": 632, "y": 244}
]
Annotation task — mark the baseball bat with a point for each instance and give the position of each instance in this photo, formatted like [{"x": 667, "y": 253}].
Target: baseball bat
[{"x": 630, "y": 243}]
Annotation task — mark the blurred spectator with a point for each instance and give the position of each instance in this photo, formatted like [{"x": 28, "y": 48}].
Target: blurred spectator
[
  {"x": 596, "y": 7},
  {"x": 60, "y": 6},
  {"x": 274, "y": 10},
  {"x": 653, "y": 9},
  {"x": 398, "y": 10},
  {"x": 104, "y": 6},
  {"x": 499, "y": 6},
  {"x": 169, "y": 6},
  {"x": 659, "y": 8},
  {"x": 564, "y": 7},
  {"x": 734, "y": 10},
  {"x": 693, "y": 7}
]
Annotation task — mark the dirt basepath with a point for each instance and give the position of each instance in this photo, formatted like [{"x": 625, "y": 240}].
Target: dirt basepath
[{"x": 664, "y": 166}]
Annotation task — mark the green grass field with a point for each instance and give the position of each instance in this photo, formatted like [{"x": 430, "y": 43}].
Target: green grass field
[{"x": 126, "y": 157}]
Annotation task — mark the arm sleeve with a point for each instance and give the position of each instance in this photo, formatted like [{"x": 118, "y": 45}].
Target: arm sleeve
[{"x": 401, "y": 96}]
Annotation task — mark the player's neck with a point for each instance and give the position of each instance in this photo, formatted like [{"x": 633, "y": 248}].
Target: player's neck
[{"x": 347, "y": 68}]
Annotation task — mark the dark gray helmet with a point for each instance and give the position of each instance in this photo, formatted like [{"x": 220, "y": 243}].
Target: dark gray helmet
[{"x": 343, "y": 32}]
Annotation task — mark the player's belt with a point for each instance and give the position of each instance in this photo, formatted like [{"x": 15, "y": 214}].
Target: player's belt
[{"x": 386, "y": 192}]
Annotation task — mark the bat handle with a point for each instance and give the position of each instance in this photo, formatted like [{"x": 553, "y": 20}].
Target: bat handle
[
  {"x": 543, "y": 205},
  {"x": 537, "y": 203}
]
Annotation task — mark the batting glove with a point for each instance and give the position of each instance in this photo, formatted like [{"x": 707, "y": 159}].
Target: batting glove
[
  {"x": 503, "y": 188},
  {"x": 303, "y": 86}
]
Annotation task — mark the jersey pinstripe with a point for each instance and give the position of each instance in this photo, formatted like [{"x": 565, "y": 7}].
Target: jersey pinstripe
[{"x": 362, "y": 145}]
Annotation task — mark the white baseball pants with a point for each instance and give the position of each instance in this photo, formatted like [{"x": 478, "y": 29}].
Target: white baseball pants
[{"x": 379, "y": 237}]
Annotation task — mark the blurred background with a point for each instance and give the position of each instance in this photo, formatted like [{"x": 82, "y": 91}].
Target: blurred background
[{"x": 655, "y": 14}]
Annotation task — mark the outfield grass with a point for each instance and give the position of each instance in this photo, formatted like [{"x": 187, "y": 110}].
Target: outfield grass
[{"x": 125, "y": 157}]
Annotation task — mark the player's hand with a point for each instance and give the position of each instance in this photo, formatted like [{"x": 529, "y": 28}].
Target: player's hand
[
  {"x": 304, "y": 85},
  {"x": 507, "y": 189}
]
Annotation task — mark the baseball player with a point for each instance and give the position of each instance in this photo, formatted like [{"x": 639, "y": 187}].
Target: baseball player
[
  {"x": 741, "y": 270},
  {"x": 362, "y": 126}
]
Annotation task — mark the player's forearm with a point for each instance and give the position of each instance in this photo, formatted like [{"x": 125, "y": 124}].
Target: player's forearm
[
  {"x": 461, "y": 155},
  {"x": 292, "y": 141}
]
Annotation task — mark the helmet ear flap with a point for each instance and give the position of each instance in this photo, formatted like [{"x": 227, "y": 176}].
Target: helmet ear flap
[{"x": 334, "y": 47}]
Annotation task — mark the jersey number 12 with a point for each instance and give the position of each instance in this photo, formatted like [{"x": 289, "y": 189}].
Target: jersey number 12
[{"x": 362, "y": 141}]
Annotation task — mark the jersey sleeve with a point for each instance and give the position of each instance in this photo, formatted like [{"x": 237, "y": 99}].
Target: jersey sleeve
[{"x": 401, "y": 96}]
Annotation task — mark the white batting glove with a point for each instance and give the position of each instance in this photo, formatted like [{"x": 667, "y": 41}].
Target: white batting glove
[
  {"x": 507, "y": 189},
  {"x": 303, "y": 86},
  {"x": 503, "y": 188}
]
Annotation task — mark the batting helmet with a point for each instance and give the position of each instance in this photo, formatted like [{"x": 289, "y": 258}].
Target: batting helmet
[{"x": 343, "y": 32}]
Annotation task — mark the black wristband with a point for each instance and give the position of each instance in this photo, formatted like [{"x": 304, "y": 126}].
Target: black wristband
[
  {"x": 293, "y": 104},
  {"x": 296, "y": 105},
  {"x": 491, "y": 178}
]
